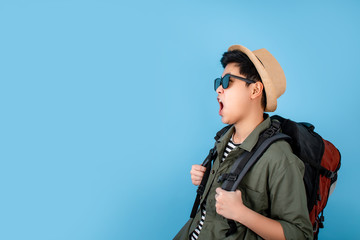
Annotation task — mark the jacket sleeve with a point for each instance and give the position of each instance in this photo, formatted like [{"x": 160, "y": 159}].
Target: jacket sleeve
[{"x": 288, "y": 198}]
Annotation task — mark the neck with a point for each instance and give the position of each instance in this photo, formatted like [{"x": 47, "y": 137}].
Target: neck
[{"x": 246, "y": 125}]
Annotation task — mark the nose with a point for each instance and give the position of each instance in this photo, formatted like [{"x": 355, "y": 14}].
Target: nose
[{"x": 220, "y": 89}]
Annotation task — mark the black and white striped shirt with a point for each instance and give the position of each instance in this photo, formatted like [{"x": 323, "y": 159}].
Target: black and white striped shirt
[{"x": 195, "y": 234}]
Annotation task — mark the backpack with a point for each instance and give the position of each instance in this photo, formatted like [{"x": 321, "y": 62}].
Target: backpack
[{"x": 321, "y": 158}]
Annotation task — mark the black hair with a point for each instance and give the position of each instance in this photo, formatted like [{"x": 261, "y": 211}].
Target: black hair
[{"x": 247, "y": 68}]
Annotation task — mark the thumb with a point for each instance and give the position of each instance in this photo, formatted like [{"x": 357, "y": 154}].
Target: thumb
[{"x": 238, "y": 191}]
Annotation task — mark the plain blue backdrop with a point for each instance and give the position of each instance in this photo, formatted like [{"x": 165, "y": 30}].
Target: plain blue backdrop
[{"x": 105, "y": 105}]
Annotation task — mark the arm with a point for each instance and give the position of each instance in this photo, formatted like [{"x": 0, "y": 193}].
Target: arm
[
  {"x": 288, "y": 198},
  {"x": 266, "y": 227},
  {"x": 263, "y": 226}
]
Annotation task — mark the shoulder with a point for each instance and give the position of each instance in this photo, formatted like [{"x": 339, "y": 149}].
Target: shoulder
[{"x": 279, "y": 156}]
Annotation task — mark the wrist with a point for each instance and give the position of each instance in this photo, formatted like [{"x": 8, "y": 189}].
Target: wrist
[{"x": 241, "y": 214}]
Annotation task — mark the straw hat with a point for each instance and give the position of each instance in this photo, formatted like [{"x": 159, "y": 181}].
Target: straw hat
[{"x": 270, "y": 71}]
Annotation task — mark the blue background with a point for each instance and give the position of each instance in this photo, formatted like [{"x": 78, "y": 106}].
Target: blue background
[{"x": 105, "y": 105}]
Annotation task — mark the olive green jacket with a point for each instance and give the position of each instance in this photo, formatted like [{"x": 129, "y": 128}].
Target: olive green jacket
[{"x": 273, "y": 187}]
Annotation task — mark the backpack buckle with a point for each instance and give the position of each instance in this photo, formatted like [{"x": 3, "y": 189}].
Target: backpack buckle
[
  {"x": 227, "y": 176},
  {"x": 327, "y": 173},
  {"x": 315, "y": 227},
  {"x": 330, "y": 174},
  {"x": 274, "y": 128},
  {"x": 269, "y": 132}
]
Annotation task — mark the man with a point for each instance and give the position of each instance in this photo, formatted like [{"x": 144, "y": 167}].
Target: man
[{"x": 270, "y": 202}]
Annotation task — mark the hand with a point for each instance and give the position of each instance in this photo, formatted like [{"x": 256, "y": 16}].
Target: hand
[
  {"x": 197, "y": 173},
  {"x": 229, "y": 203}
]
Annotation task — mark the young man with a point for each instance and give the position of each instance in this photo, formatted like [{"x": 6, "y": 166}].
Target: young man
[{"x": 270, "y": 202}]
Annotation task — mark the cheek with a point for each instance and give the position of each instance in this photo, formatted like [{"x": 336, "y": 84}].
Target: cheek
[{"x": 239, "y": 98}]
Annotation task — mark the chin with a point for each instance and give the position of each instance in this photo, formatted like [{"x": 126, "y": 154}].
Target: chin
[{"x": 225, "y": 120}]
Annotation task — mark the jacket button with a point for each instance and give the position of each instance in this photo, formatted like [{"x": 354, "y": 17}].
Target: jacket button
[{"x": 212, "y": 171}]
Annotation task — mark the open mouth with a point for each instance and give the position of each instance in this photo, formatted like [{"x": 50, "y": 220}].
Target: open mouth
[{"x": 221, "y": 106}]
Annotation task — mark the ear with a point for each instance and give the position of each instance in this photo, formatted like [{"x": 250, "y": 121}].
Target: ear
[{"x": 256, "y": 90}]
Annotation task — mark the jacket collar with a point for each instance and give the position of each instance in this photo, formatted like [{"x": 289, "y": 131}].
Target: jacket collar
[{"x": 250, "y": 140}]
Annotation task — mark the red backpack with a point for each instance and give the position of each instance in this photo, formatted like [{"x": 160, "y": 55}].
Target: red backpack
[{"x": 321, "y": 158}]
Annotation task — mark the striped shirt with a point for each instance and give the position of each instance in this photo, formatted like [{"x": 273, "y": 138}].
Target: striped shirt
[{"x": 195, "y": 234}]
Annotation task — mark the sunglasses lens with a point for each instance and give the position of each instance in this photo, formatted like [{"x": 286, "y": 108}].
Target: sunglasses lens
[
  {"x": 225, "y": 81},
  {"x": 217, "y": 83}
]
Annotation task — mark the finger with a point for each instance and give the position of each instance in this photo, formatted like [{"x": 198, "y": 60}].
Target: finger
[
  {"x": 238, "y": 192},
  {"x": 219, "y": 190},
  {"x": 218, "y": 209},
  {"x": 196, "y": 178},
  {"x": 196, "y": 183},
  {"x": 196, "y": 173},
  {"x": 199, "y": 168}
]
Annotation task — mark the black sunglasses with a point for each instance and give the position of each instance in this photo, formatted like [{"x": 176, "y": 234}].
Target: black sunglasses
[{"x": 224, "y": 81}]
